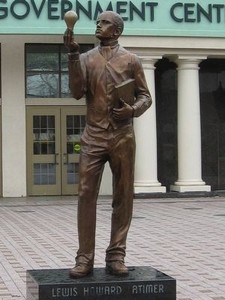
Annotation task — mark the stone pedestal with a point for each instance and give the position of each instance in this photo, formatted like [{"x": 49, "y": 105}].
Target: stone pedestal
[{"x": 142, "y": 283}]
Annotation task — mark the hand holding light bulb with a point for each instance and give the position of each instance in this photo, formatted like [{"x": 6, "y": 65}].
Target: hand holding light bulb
[{"x": 70, "y": 18}]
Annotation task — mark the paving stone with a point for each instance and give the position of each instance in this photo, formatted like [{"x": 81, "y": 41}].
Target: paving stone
[{"x": 183, "y": 238}]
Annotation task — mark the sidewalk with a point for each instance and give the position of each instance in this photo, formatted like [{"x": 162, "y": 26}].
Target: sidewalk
[{"x": 184, "y": 238}]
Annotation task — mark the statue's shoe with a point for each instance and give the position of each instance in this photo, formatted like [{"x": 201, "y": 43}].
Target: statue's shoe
[
  {"x": 80, "y": 270},
  {"x": 116, "y": 268}
]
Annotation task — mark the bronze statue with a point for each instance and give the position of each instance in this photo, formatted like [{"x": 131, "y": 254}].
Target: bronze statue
[{"x": 100, "y": 75}]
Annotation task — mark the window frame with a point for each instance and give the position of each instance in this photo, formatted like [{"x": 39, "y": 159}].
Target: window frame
[{"x": 59, "y": 71}]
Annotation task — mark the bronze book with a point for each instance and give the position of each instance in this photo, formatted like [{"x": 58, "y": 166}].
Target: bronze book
[{"x": 125, "y": 91}]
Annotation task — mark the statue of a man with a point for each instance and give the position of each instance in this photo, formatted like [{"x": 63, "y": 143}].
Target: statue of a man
[{"x": 108, "y": 137}]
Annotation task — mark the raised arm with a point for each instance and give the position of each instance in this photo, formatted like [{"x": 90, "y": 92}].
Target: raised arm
[{"x": 76, "y": 74}]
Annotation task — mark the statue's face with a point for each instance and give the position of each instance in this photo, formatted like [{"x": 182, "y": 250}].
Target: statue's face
[{"x": 106, "y": 29}]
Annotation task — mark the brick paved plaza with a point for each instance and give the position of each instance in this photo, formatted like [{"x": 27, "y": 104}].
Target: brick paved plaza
[{"x": 182, "y": 237}]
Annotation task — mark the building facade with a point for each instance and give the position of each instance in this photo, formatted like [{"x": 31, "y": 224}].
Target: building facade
[{"x": 180, "y": 139}]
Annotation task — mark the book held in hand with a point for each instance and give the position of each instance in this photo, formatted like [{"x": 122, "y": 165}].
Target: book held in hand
[{"x": 125, "y": 91}]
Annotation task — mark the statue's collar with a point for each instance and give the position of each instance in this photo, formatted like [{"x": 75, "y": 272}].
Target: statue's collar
[{"x": 112, "y": 45}]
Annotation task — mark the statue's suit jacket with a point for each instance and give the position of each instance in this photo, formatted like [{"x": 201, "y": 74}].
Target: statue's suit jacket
[{"x": 100, "y": 76}]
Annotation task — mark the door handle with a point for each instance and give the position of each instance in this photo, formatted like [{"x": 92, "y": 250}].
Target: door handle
[{"x": 65, "y": 158}]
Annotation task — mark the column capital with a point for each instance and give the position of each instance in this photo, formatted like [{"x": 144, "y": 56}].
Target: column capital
[
  {"x": 149, "y": 61},
  {"x": 189, "y": 61}
]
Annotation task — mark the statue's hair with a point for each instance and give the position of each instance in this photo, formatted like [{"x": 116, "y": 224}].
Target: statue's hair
[{"x": 119, "y": 21}]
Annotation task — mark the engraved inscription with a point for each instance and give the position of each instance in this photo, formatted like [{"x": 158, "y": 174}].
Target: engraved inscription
[
  {"x": 107, "y": 290},
  {"x": 64, "y": 292},
  {"x": 148, "y": 289}
]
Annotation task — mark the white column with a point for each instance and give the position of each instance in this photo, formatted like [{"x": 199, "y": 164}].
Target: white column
[
  {"x": 146, "y": 142},
  {"x": 189, "y": 127},
  {"x": 13, "y": 118}
]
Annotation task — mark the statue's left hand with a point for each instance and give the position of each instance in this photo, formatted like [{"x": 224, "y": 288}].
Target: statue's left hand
[{"x": 125, "y": 112}]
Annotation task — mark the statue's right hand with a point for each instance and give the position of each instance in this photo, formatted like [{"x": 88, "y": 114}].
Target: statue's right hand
[{"x": 69, "y": 42}]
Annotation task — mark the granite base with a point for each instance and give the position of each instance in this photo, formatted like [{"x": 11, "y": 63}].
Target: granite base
[{"x": 142, "y": 283}]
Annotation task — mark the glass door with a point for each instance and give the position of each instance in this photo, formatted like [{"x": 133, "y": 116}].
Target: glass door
[
  {"x": 72, "y": 128},
  {"x": 43, "y": 149},
  {"x": 53, "y": 147}
]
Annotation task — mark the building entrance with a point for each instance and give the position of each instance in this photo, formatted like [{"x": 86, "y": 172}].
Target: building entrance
[
  {"x": 166, "y": 114},
  {"x": 212, "y": 86},
  {"x": 53, "y": 147}
]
